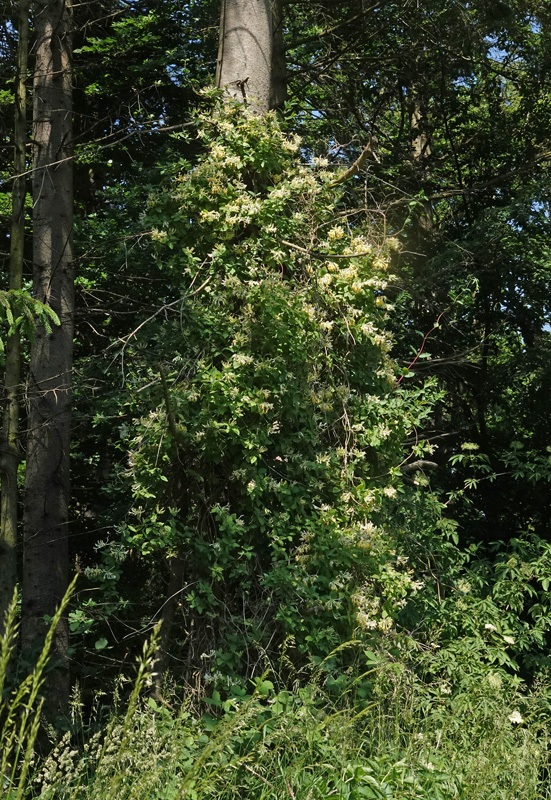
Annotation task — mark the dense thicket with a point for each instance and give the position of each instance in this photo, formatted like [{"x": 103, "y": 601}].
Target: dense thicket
[{"x": 311, "y": 401}]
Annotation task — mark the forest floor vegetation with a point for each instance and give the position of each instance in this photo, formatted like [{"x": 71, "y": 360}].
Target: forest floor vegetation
[{"x": 345, "y": 733}]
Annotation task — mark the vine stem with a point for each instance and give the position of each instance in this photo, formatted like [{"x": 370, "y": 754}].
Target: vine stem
[{"x": 434, "y": 327}]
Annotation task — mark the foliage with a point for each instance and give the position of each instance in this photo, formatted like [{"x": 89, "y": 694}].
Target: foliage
[
  {"x": 481, "y": 270},
  {"x": 264, "y": 455},
  {"x": 22, "y": 313},
  {"x": 20, "y": 707},
  {"x": 263, "y": 442},
  {"x": 474, "y": 74},
  {"x": 385, "y": 736}
]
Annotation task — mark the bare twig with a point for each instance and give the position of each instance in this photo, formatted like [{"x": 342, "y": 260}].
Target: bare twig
[{"x": 358, "y": 164}]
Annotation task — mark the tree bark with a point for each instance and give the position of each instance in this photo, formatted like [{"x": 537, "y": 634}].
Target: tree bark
[
  {"x": 176, "y": 563},
  {"x": 245, "y": 52},
  {"x": 45, "y": 558},
  {"x": 278, "y": 82},
  {"x": 9, "y": 446},
  {"x": 421, "y": 152},
  {"x": 176, "y": 569}
]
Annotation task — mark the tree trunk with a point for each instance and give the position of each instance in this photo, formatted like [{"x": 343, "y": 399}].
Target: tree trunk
[
  {"x": 421, "y": 152},
  {"x": 245, "y": 52},
  {"x": 10, "y": 453},
  {"x": 176, "y": 569},
  {"x": 278, "y": 83},
  {"x": 45, "y": 558},
  {"x": 176, "y": 564}
]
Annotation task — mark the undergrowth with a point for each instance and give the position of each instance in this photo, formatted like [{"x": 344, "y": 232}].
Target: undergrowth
[{"x": 378, "y": 733}]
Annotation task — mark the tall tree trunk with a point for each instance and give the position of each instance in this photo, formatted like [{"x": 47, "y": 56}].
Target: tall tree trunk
[
  {"x": 9, "y": 443},
  {"x": 176, "y": 564},
  {"x": 278, "y": 84},
  {"x": 421, "y": 152},
  {"x": 245, "y": 52},
  {"x": 45, "y": 558}
]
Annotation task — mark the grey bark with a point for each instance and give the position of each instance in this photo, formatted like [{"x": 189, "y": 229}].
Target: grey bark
[
  {"x": 9, "y": 444},
  {"x": 245, "y": 52},
  {"x": 45, "y": 557}
]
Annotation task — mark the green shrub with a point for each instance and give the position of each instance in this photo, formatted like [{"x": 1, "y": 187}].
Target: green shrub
[
  {"x": 397, "y": 740},
  {"x": 267, "y": 426}
]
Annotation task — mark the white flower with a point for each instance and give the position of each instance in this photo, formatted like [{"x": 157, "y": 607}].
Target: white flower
[
  {"x": 383, "y": 431},
  {"x": 291, "y": 145},
  {"x": 218, "y": 152},
  {"x": 508, "y": 639},
  {"x": 368, "y": 329},
  {"x": 335, "y": 233},
  {"x": 158, "y": 236},
  {"x": 515, "y": 718},
  {"x": 394, "y": 244},
  {"x": 241, "y": 360},
  {"x": 489, "y": 627},
  {"x": 494, "y": 680},
  {"x": 366, "y": 622},
  {"x": 210, "y": 216},
  {"x": 361, "y": 246}
]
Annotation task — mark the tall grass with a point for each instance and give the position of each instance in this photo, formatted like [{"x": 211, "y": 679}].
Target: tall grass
[
  {"x": 383, "y": 736},
  {"x": 20, "y": 709}
]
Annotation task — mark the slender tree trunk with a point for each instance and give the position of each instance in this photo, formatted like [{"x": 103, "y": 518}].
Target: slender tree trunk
[
  {"x": 278, "y": 84},
  {"x": 45, "y": 558},
  {"x": 245, "y": 52},
  {"x": 421, "y": 152},
  {"x": 176, "y": 564},
  {"x": 9, "y": 446},
  {"x": 176, "y": 568}
]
